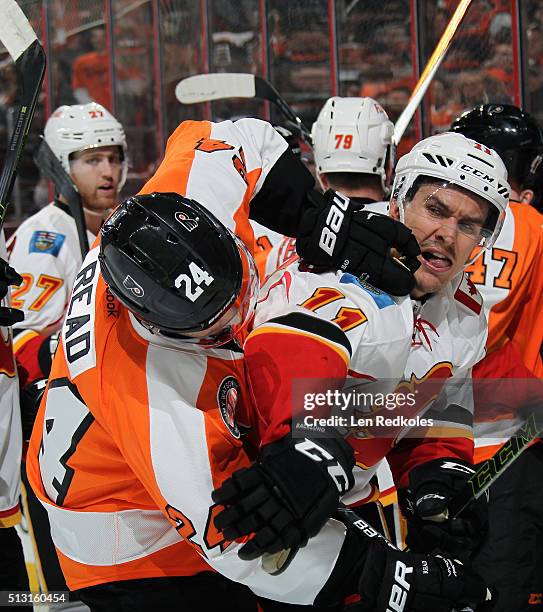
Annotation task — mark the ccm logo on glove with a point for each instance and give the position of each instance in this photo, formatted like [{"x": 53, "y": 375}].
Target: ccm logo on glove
[
  {"x": 334, "y": 220},
  {"x": 334, "y": 469}
]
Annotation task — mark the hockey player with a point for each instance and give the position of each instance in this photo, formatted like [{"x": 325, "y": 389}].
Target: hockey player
[
  {"x": 13, "y": 575},
  {"x": 251, "y": 162},
  {"x": 510, "y": 279},
  {"x": 452, "y": 193},
  {"x": 91, "y": 146},
  {"x": 352, "y": 140},
  {"x": 147, "y": 410},
  {"x": 352, "y": 144}
]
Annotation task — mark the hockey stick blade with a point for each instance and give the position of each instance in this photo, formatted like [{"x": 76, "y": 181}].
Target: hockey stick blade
[
  {"x": 20, "y": 40},
  {"x": 219, "y": 86},
  {"x": 215, "y": 86},
  {"x": 51, "y": 168},
  {"x": 490, "y": 470}
]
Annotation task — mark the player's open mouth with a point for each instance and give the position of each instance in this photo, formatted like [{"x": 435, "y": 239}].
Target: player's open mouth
[
  {"x": 436, "y": 260},
  {"x": 106, "y": 188}
]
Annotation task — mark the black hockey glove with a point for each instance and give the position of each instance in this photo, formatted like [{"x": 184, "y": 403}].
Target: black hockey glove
[
  {"x": 8, "y": 277},
  {"x": 425, "y": 506},
  {"x": 405, "y": 581},
  {"x": 31, "y": 397},
  {"x": 335, "y": 233},
  {"x": 287, "y": 496}
]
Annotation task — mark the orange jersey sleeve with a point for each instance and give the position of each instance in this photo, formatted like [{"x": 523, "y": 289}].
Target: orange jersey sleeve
[
  {"x": 238, "y": 170},
  {"x": 510, "y": 278}
]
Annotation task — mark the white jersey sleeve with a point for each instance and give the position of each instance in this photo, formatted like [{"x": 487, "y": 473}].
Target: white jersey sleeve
[
  {"x": 45, "y": 252},
  {"x": 10, "y": 424}
]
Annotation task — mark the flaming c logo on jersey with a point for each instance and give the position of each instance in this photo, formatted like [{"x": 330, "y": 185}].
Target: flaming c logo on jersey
[
  {"x": 210, "y": 145},
  {"x": 7, "y": 363},
  {"x": 227, "y": 399}
]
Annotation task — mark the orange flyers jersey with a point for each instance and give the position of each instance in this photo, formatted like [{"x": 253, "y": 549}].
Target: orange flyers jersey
[
  {"x": 10, "y": 424},
  {"x": 134, "y": 433},
  {"x": 266, "y": 242},
  {"x": 220, "y": 165},
  {"x": 314, "y": 332},
  {"x": 510, "y": 279}
]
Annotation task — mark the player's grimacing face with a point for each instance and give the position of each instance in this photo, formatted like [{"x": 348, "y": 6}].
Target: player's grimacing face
[
  {"x": 96, "y": 173},
  {"x": 447, "y": 223}
]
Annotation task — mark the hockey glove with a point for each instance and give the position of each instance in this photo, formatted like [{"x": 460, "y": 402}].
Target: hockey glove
[
  {"x": 335, "y": 233},
  {"x": 425, "y": 506},
  {"x": 402, "y": 581},
  {"x": 287, "y": 496},
  {"x": 8, "y": 277},
  {"x": 31, "y": 397}
]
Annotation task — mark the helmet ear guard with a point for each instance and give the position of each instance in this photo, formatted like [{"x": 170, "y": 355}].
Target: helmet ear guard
[{"x": 178, "y": 269}]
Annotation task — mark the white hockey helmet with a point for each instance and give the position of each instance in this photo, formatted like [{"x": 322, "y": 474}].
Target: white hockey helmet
[
  {"x": 75, "y": 128},
  {"x": 459, "y": 161},
  {"x": 352, "y": 135}
]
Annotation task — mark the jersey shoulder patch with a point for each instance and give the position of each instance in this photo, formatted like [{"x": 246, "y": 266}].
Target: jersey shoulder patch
[
  {"x": 45, "y": 242},
  {"x": 467, "y": 294},
  {"x": 381, "y": 299}
]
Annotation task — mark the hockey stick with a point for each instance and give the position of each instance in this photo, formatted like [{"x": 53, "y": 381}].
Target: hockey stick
[
  {"x": 21, "y": 42},
  {"x": 51, "y": 168},
  {"x": 491, "y": 469},
  {"x": 429, "y": 71},
  {"x": 217, "y": 86}
]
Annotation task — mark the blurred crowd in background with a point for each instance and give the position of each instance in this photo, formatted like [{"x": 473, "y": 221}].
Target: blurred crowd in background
[{"x": 130, "y": 54}]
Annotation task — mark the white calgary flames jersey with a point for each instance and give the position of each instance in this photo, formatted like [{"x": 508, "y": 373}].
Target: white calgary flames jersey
[
  {"x": 298, "y": 328},
  {"x": 10, "y": 424},
  {"x": 449, "y": 336},
  {"x": 45, "y": 251}
]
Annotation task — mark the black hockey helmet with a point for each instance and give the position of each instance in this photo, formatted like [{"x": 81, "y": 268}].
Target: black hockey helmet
[
  {"x": 178, "y": 268},
  {"x": 512, "y": 133}
]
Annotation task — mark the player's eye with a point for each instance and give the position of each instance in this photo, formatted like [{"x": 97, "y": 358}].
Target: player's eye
[{"x": 435, "y": 211}]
